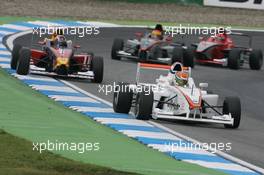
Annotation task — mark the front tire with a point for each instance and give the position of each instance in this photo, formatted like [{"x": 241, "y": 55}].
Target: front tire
[
  {"x": 233, "y": 61},
  {"x": 15, "y": 56},
  {"x": 117, "y": 46},
  {"x": 256, "y": 59},
  {"x": 232, "y": 106},
  {"x": 144, "y": 104},
  {"x": 98, "y": 69},
  {"x": 122, "y": 99},
  {"x": 23, "y": 63}
]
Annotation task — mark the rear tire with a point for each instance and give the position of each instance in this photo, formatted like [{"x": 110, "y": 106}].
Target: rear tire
[
  {"x": 122, "y": 99},
  {"x": 23, "y": 63},
  {"x": 98, "y": 69},
  {"x": 15, "y": 56},
  {"x": 144, "y": 104},
  {"x": 232, "y": 105},
  {"x": 233, "y": 61},
  {"x": 117, "y": 46},
  {"x": 188, "y": 58},
  {"x": 256, "y": 59}
]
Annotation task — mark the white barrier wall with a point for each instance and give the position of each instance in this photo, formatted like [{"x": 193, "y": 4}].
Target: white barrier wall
[{"x": 249, "y": 4}]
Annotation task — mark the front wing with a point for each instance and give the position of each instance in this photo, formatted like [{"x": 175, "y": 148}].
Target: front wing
[
  {"x": 41, "y": 71},
  {"x": 221, "y": 119}
]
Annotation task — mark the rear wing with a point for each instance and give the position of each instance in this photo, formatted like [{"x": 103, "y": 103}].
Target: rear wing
[
  {"x": 243, "y": 35},
  {"x": 150, "y": 66}
]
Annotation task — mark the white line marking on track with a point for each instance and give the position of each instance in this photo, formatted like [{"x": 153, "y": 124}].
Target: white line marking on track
[
  {"x": 52, "y": 88},
  {"x": 2, "y": 46},
  {"x": 91, "y": 109},
  {"x": 10, "y": 39},
  {"x": 73, "y": 98},
  {"x": 122, "y": 121},
  {"x": 5, "y": 66},
  {"x": 4, "y": 52},
  {"x": 149, "y": 134},
  {"x": 5, "y": 32},
  {"x": 5, "y": 59},
  {"x": 32, "y": 77}
]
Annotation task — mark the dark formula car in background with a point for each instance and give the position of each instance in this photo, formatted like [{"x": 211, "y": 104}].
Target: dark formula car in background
[
  {"x": 57, "y": 58},
  {"x": 147, "y": 48},
  {"x": 221, "y": 50}
]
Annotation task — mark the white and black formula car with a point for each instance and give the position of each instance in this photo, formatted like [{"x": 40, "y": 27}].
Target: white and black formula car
[
  {"x": 153, "y": 47},
  {"x": 175, "y": 98}
]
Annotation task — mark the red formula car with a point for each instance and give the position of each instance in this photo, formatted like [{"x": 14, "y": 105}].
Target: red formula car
[
  {"x": 57, "y": 58},
  {"x": 221, "y": 50}
]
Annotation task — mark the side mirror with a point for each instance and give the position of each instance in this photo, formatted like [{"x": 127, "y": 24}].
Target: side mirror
[{"x": 203, "y": 85}]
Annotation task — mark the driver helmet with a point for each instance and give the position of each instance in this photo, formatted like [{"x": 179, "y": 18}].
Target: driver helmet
[
  {"x": 181, "y": 77},
  {"x": 56, "y": 33},
  {"x": 159, "y": 27},
  {"x": 181, "y": 74},
  {"x": 61, "y": 41},
  {"x": 156, "y": 34}
]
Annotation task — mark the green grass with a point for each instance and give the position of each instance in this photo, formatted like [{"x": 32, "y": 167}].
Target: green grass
[{"x": 17, "y": 157}]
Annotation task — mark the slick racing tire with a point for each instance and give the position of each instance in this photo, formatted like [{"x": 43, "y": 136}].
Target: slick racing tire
[
  {"x": 122, "y": 99},
  {"x": 98, "y": 69},
  {"x": 233, "y": 61},
  {"x": 15, "y": 56},
  {"x": 256, "y": 59},
  {"x": 188, "y": 58},
  {"x": 117, "y": 46},
  {"x": 144, "y": 104},
  {"x": 155, "y": 52},
  {"x": 232, "y": 106},
  {"x": 23, "y": 63},
  {"x": 177, "y": 55}
]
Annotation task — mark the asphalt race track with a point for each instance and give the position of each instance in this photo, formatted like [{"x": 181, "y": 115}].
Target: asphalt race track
[{"x": 247, "y": 141}]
